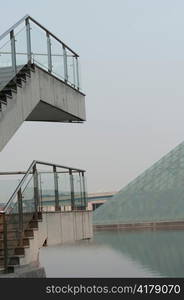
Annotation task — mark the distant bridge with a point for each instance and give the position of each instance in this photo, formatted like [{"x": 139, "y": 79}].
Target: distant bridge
[
  {"x": 97, "y": 199},
  {"x": 94, "y": 200}
]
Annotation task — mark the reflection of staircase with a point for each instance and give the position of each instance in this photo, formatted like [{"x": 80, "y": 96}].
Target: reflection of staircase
[{"x": 16, "y": 248}]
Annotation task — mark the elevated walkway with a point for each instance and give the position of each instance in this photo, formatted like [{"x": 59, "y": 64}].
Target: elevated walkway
[{"x": 39, "y": 79}]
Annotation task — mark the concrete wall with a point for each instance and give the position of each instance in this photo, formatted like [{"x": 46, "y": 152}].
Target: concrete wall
[
  {"x": 60, "y": 95},
  {"x": 58, "y": 228},
  {"x": 64, "y": 227},
  {"x": 42, "y": 97}
]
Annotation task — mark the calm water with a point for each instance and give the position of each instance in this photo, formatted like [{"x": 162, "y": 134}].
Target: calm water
[{"x": 118, "y": 254}]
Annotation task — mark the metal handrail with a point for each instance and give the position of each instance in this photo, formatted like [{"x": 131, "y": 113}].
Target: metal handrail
[
  {"x": 36, "y": 54},
  {"x": 24, "y": 172},
  {"x": 13, "y": 27},
  {"x": 29, "y": 171},
  {"x": 50, "y": 33},
  {"x": 19, "y": 185},
  {"x": 28, "y": 17}
]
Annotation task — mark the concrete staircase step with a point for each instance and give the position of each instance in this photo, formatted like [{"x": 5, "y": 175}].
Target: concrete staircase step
[
  {"x": 12, "y": 260},
  {"x": 19, "y": 250},
  {"x": 10, "y": 234},
  {"x": 14, "y": 242},
  {"x": 1, "y": 270},
  {"x": 29, "y": 233},
  {"x": 33, "y": 224}
]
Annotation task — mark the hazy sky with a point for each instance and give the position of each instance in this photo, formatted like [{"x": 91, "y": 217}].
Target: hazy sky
[{"x": 132, "y": 62}]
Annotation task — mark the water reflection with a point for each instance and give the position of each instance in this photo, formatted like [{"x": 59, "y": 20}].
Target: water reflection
[
  {"x": 159, "y": 251},
  {"x": 89, "y": 260},
  {"x": 118, "y": 254}
]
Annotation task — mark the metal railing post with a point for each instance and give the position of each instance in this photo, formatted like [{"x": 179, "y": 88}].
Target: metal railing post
[
  {"x": 36, "y": 191},
  {"x": 20, "y": 213},
  {"x": 72, "y": 190},
  {"x": 81, "y": 191},
  {"x": 40, "y": 193},
  {"x": 65, "y": 64},
  {"x": 57, "y": 206},
  {"x": 5, "y": 242},
  {"x": 74, "y": 71},
  {"x": 84, "y": 190},
  {"x": 13, "y": 52},
  {"x": 28, "y": 38},
  {"x": 77, "y": 73},
  {"x": 49, "y": 53}
]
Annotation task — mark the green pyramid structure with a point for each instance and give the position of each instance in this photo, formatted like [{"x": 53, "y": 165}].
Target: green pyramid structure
[{"x": 155, "y": 195}]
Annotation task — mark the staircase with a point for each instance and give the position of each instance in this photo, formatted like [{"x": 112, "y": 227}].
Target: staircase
[
  {"x": 35, "y": 85},
  {"x": 9, "y": 86},
  {"x": 11, "y": 257},
  {"x": 23, "y": 223}
]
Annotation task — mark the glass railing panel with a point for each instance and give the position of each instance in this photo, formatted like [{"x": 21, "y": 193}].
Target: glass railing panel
[
  {"x": 7, "y": 187},
  {"x": 39, "y": 46},
  {"x": 64, "y": 190},
  {"x": 28, "y": 201},
  {"x": 6, "y": 70},
  {"x": 78, "y": 196},
  {"x": 71, "y": 68},
  {"x": 76, "y": 72},
  {"x": 47, "y": 189},
  {"x": 13, "y": 215},
  {"x": 21, "y": 46},
  {"x": 57, "y": 58}
]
